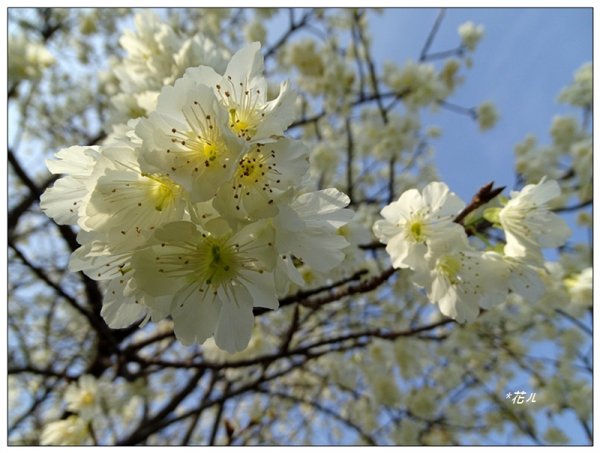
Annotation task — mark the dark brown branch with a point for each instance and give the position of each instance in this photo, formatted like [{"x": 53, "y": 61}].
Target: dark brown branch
[
  {"x": 33, "y": 407},
  {"x": 392, "y": 179},
  {"x": 576, "y": 207},
  {"x": 359, "y": 66},
  {"x": 153, "y": 424},
  {"x": 359, "y": 101},
  {"x": 22, "y": 175},
  {"x": 307, "y": 350},
  {"x": 294, "y": 26},
  {"x": 371, "y": 67},
  {"x": 15, "y": 213},
  {"x": 55, "y": 286},
  {"x": 303, "y": 295},
  {"x": 42, "y": 372},
  {"x": 483, "y": 196},
  {"x": 285, "y": 344},
  {"x": 575, "y": 321},
  {"x": 364, "y": 287},
  {"x": 196, "y": 417},
  {"x": 218, "y": 417}
]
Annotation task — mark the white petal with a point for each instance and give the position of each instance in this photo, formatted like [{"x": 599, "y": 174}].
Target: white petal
[
  {"x": 117, "y": 310},
  {"x": 286, "y": 267},
  {"x": 384, "y": 230},
  {"x": 261, "y": 287},
  {"x": 454, "y": 305},
  {"x": 234, "y": 327},
  {"x": 147, "y": 275},
  {"x": 62, "y": 201},
  {"x": 203, "y": 74},
  {"x": 556, "y": 232},
  {"x": 324, "y": 205},
  {"x": 525, "y": 281},
  {"x": 281, "y": 113},
  {"x": 320, "y": 251},
  {"x": 75, "y": 160},
  {"x": 196, "y": 320},
  {"x": 405, "y": 254},
  {"x": 246, "y": 63}
]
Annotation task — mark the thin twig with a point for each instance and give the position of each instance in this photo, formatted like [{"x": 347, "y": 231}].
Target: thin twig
[{"x": 432, "y": 33}]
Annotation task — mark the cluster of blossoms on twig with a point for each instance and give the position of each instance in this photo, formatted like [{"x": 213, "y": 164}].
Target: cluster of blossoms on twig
[
  {"x": 200, "y": 211},
  {"x": 422, "y": 234}
]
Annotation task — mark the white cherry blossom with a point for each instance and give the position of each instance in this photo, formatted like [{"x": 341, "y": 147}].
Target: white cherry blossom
[
  {"x": 188, "y": 136},
  {"x": 214, "y": 281},
  {"x": 307, "y": 229},
  {"x": 528, "y": 223},
  {"x": 461, "y": 280},
  {"x": 411, "y": 223},
  {"x": 242, "y": 91}
]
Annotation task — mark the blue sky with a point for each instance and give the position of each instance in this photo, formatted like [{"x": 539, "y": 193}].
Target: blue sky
[{"x": 525, "y": 58}]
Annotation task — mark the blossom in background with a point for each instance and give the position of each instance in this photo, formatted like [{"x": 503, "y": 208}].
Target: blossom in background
[
  {"x": 27, "y": 60},
  {"x": 156, "y": 56},
  {"x": 83, "y": 397},
  {"x": 150, "y": 49},
  {"x": 487, "y": 116},
  {"x": 470, "y": 34},
  {"x": 565, "y": 131},
  {"x": 419, "y": 83},
  {"x": 581, "y": 92},
  {"x": 71, "y": 431},
  {"x": 580, "y": 287}
]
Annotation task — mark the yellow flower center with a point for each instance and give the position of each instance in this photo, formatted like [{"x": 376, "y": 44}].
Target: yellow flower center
[
  {"x": 210, "y": 150},
  {"x": 450, "y": 267},
  {"x": 242, "y": 123},
  {"x": 217, "y": 261},
  {"x": 87, "y": 398},
  {"x": 416, "y": 230},
  {"x": 163, "y": 191}
]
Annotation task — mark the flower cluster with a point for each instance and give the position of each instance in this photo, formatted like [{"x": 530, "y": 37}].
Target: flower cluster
[
  {"x": 156, "y": 56},
  {"x": 470, "y": 34},
  {"x": 581, "y": 92},
  {"x": 321, "y": 71},
  {"x": 487, "y": 115},
  {"x": 421, "y": 234},
  {"x": 201, "y": 212}
]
